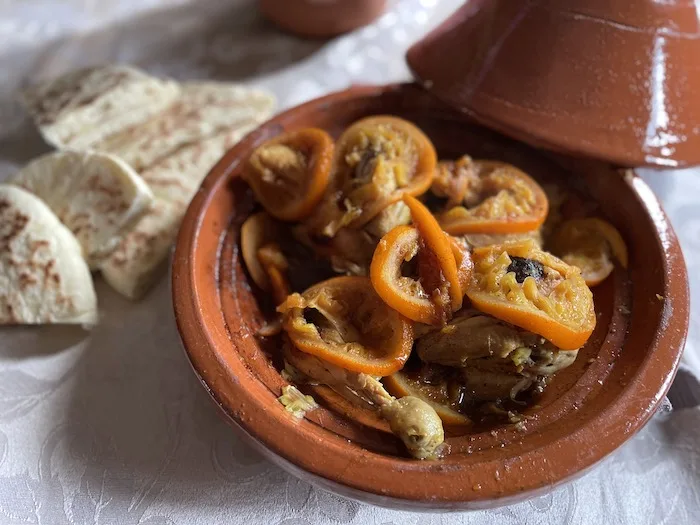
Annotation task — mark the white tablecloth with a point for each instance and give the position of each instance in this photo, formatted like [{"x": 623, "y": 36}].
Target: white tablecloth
[{"x": 112, "y": 427}]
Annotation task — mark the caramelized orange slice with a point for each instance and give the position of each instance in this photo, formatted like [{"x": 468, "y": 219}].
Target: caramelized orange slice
[
  {"x": 401, "y": 384},
  {"x": 258, "y": 230},
  {"x": 276, "y": 266},
  {"x": 463, "y": 259},
  {"x": 289, "y": 173},
  {"x": 378, "y": 160},
  {"x": 421, "y": 299},
  {"x": 438, "y": 242},
  {"x": 500, "y": 199},
  {"x": 522, "y": 285},
  {"x": 344, "y": 321},
  {"x": 591, "y": 245}
]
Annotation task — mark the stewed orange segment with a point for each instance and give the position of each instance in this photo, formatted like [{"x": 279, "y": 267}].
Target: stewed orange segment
[
  {"x": 438, "y": 242},
  {"x": 404, "y": 383},
  {"x": 500, "y": 199},
  {"x": 527, "y": 287},
  {"x": 407, "y": 275},
  {"x": 289, "y": 173},
  {"x": 275, "y": 265},
  {"x": 344, "y": 321},
  {"x": 477, "y": 240},
  {"x": 257, "y": 231},
  {"x": 590, "y": 244},
  {"x": 463, "y": 259},
  {"x": 378, "y": 160},
  {"x": 404, "y": 293}
]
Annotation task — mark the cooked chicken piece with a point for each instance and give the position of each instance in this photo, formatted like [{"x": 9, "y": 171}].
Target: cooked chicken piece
[
  {"x": 493, "y": 379},
  {"x": 455, "y": 181},
  {"x": 412, "y": 420},
  {"x": 497, "y": 360},
  {"x": 466, "y": 338},
  {"x": 350, "y": 250},
  {"x": 417, "y": 424},
  {"x": 389, "y": 218},
  {"x": 546, "y": 363}
]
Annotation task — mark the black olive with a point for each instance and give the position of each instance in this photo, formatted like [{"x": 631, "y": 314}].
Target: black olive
[{"x": 523, "y": 268}]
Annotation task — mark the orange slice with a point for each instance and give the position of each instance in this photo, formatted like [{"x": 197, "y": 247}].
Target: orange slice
[
  {"x": 289, "y": 173},
  {"x": 522, "y": 285},
  {"x": 590, "y": 244},
  {"x": 378, "y": 160},
  {"x": 503, "y": 199},
  {"x": 438, "y": 242},
  {"x": 344, "y": 321},
  {"x": 400, "y": 384}
]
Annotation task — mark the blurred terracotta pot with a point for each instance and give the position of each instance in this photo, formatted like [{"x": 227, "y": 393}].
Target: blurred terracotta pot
[
  {"x": 321, "y": 18},
  {"x": 611, "y": 79}
]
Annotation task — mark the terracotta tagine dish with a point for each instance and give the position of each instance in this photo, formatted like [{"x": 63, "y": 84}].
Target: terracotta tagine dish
[
  {"x": 325, "y": 19},
  {"x": 415, "y": 305},
  {"x": 615, "y": 80}
]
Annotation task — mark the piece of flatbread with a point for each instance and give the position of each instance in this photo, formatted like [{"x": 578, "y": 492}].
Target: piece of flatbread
[
  {"x": 178, "y": 153},
  {"x": 203, "y": 109},
  {"x": 137, "y": 263},
  {"x": 43, "y": 277},
  {"x": 97, "y": 196},
  {"x": 135, "y": 266},
  {"x": 83, "y": 107},
  {"x": 177, "y": 177}
]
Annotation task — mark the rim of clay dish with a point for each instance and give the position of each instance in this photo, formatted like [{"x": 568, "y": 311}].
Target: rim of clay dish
[{"x": 337, "y": 463}]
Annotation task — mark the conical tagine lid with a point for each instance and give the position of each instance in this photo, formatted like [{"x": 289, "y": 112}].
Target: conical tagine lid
[{"x": 616, "y": 80}]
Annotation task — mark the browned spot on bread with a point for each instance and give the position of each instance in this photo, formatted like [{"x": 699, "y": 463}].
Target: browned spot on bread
[
  {"x": 111, "y": 207},
  {"x": 71, "y": 92},
  {"x": 41, "y": 243},
  {"x": 95, "y": 183},
  {"x": 26, "y": 279},
  {"x": 48, "y": 271},
  {"x": 11, "y": 315},
  {"x": 12, "y": 224}
]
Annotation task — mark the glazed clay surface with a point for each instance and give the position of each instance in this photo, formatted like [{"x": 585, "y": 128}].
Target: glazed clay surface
[
  {"x": 321, "y": 19},
  {"x": 614, "y": 80},
  {"x": 593, "y": 407}
]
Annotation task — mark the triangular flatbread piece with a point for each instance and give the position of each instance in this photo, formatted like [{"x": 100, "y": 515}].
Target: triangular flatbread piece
[
  {"x": 204, "y": 109},
  {"x": 137, "y": 262},
  {"x": 97, "y": 196},
  {"x": 82, "y": 107},
  {"x": 177, "y": 177},
  {"x": 134, "y": 267},
  {"x": 43, "y": 277}
]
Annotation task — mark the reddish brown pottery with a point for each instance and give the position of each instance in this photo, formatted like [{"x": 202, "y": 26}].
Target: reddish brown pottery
[
  {"x": 311, "y": 18},
  {"x": 590, "y": 409},
  {"x": 609, "y": 79}
]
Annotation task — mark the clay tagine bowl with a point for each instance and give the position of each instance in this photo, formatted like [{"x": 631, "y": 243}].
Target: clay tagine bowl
[
  {"x": 610, "y": 79},
  {"x": 589, "y": 410}
]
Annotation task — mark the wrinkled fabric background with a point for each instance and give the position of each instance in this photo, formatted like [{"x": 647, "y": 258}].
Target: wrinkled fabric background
[{"x": 112, "y": 427}]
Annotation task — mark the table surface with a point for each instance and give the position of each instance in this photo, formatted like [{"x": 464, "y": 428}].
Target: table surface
[{"x": 111, "y": 426}]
